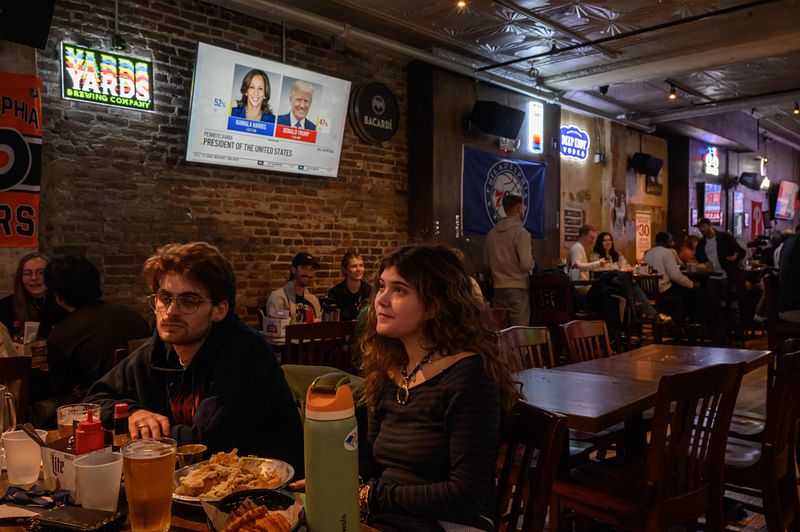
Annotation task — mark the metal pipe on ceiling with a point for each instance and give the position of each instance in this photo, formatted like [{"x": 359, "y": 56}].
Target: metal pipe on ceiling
[
  {"x": 632, "y": 33},
  {"x": 719, "y": 106},
  {"x": 273, "y": 11}
]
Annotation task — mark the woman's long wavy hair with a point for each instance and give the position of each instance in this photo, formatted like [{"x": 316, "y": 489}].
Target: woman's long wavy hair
[
  {"x": 601, "y": 251},
  {"x": 459, "y": 323},
  {"x": 23, "y": 304}
]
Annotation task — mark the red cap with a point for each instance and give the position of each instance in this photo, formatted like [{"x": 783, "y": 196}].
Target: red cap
[
  {"x": 120, "y": 409},
  {"x": 89, "y": 435}
]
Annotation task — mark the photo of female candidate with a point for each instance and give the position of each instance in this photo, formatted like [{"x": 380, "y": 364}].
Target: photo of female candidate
[{"x": 254, "y": 104}]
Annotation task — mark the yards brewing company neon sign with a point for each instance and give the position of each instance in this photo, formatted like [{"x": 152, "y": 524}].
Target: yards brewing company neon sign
[{"x": 106, "y": 78}]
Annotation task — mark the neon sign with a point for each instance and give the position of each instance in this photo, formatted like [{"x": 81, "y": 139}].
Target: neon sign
[
  {"x": 711, "y": 161},
  {"x": 535, "y": 127},
  {"x": 574, "y": 143},
  {"x": 106, "y": 78}
]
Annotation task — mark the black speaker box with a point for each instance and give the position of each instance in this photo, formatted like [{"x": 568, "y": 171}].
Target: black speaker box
[
  {"x": 750, "y": 180},
  {"x": 26, "y": 22},
  {"x": 646, "y": 164},
  {"x": 496, "y": 119}
]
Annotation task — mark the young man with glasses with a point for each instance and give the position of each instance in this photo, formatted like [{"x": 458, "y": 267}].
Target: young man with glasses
[{"x": 205, "y": 377}]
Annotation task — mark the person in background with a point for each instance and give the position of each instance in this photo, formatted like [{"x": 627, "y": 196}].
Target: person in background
[
  {"x": 786, "y": 234},
  {"x": 436, "y": 388},
  {"x": 353, "y": 292},
  {"x": 577, "y": 256},
  {"x": 687, "y": 250},
  {"x": 204, "y": 377},
  {"x": 254, "y": 104},
  {"x": 294, "y": 296},
  {"x": 789, "y": 281},
  {"x": 476, "y": 288},
  {"x": 604, "y": 249},
  {"x": 719, "y": 249},
  {"x": 80, "y": 348},
  {"x": 300, "y": 97},
  {"x": 30, "y": 300},
  {"x": 510, "y": 259},
  {"x": 673, "y": 282}
]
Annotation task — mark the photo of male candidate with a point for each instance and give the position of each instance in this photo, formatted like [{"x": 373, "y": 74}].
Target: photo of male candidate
[
  {"x": 251, "y": 93},
  {"x": 301, "y": 94}
]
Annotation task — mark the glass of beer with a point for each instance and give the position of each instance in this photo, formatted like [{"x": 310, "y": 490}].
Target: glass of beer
[
  {"x": 149, "y": 466},
  {"x": 70, "y": 415}
]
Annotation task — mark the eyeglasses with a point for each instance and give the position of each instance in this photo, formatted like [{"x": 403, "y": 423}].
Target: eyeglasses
[
  {"x": 33, "y": 273},
  {"x": 188, "y": 303}
]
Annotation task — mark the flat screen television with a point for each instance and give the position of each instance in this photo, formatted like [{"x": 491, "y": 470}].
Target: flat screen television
[
  {"x": 250, "y": 112},
  {"x": 787, "y": 195}
]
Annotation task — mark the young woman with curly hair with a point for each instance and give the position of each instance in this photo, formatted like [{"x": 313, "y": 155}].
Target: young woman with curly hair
[{"x": 437, "y": 388}]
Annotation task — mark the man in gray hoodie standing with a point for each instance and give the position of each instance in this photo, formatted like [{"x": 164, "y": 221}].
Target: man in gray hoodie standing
[{"x": 508, "y": 253}]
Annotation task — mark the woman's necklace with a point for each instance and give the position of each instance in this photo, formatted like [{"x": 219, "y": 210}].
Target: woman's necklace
[{"x": 408, "y": 377}]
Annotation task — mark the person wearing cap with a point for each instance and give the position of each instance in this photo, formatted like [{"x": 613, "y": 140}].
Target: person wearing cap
[
  {"x": 294, "y": 296},
  {"x": 718, "y": 248}
]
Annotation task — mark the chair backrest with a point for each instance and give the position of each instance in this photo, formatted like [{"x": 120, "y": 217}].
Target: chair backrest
[
  {"x": 783, "y": 411},
  {"x": 532, "y": 345},
  {"x": 13, "y": 370},
  {"x": 551, "y": 299},
  {"x": 686, "y": 456},
  {"x": 323, "y": 343},
  {"x": 649, "y": 285},
  {"x": 586, "y": 340},
  {"x": 499, "y": 317},
  {"x": 528, "y": 461}
]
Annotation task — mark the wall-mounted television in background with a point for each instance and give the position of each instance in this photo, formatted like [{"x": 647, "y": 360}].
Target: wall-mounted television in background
[
  {"x": 302, "y": 114},
  {"x": 787, "y": 195}
]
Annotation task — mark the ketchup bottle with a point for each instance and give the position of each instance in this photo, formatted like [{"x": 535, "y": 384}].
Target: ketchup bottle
[{"x": 89, "y": 435}]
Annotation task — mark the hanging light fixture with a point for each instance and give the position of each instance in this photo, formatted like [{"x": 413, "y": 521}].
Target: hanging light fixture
[
  {"x": 461, "y": 4},
  {"x": 673, "y": 93},
  {"x": 796, "y": 110}
]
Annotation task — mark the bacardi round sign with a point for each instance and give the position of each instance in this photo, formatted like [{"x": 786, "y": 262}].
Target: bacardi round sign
[{"x": 374, "y": 114}]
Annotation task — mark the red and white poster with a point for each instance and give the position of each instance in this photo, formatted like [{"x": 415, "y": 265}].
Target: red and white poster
[
  {"x": 643, "y": 227},
  {"x": 20, "y": 159},
  {"x": 757, "y": 223}
]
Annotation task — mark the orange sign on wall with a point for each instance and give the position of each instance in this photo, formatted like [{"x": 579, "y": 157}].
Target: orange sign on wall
[{"x": 20, "y": 159}]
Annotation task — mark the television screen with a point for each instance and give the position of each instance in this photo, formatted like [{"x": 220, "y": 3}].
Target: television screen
[
  {"x": 784, "y": 206},
  {"x": 254, "y": 113}
]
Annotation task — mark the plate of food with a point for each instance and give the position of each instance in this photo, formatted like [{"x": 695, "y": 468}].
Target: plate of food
[
  {"x": 258, "y": 509},
  {"x": 226, "y": 473}
]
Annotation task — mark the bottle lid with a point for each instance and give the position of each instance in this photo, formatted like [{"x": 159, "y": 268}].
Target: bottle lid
[
  {"x": 329, "y": 398},
  {"x": 120, "y": 409},
  {"x": 89, "y": 424}
]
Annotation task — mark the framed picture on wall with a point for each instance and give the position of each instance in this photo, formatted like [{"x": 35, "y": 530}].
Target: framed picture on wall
[
  {"x": 693, "y": 217},
  {"x": 653, "y": 185},
  {"x": 747, "y": 219}
]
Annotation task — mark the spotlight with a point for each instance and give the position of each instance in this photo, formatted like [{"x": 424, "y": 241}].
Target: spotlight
[
  {"x": 673, "y": 94},
  {"x": 796, "y": 110},
  {"x": 461, "y": 4}
]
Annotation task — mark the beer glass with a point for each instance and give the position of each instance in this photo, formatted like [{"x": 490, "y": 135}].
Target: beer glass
[
  {"x": 149, "y": 466},
  {"x": 70, "y": 415}
]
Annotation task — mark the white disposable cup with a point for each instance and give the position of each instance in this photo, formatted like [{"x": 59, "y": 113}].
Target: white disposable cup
[
  {"x": 98, "y": 479},
  {"x": 23, "y": 457}
]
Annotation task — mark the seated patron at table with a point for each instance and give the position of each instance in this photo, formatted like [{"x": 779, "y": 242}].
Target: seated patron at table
[
  {"x": 353, "y": 292},
  {"x": 294, "y": 296},
  {"x": 789, "y": 295},
  {"x": 204, "y": 377},
  {"x": 688, "y": 247},
  {"x": 30, "y": 300},
  {"x": 436, "y": 388},
  {"x": 786, "y": 234},
  {"x": 604, "y": 249},
  {"x": 577, "y": 258},
  {"x": 80, "y": 348},
  {"x": 672, "y": 282}
]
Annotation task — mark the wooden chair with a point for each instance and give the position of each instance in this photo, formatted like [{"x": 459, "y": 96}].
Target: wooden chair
[
  {"x": 532, "y": 346},
  {"x": 586, "y": 340},
  {"x": 323, "y": 343},
  {"x": 499, "y": 317},
  {"x": 17, "y": 370},
  {"x": 766, "y": 469},
  {"x": 551, "y": 299},
  {"x": 528, "y": 460},
  {"x": 682, "y": 478}
]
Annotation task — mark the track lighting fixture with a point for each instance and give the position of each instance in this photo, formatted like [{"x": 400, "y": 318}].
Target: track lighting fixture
[
  {"x": 796, "y": 110},
  {"x": 673, "y": 93}
]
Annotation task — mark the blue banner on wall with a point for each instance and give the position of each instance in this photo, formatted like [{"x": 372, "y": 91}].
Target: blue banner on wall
[{"x": 486, "y": 178}]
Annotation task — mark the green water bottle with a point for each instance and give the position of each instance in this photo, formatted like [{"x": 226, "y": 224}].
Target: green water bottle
[{"x": 331, "y": 456}]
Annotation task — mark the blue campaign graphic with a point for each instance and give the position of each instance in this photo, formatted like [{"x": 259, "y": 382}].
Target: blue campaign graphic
[
  {"x": 487, "y": 177},
  {"x": 574, "y": 143},
  {"x": 236, "y": 123}
]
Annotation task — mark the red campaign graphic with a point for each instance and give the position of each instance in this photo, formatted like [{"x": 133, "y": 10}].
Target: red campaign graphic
[
  {"x": 20, "y": 159},
  {"x": 293, "y": 133}
]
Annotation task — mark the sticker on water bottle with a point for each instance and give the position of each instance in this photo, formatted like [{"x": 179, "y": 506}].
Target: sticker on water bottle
[{"x": 351, "y": 440}]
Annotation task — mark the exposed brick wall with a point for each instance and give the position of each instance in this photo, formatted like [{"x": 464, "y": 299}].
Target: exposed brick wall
[{"x": 116, "y": 186}]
